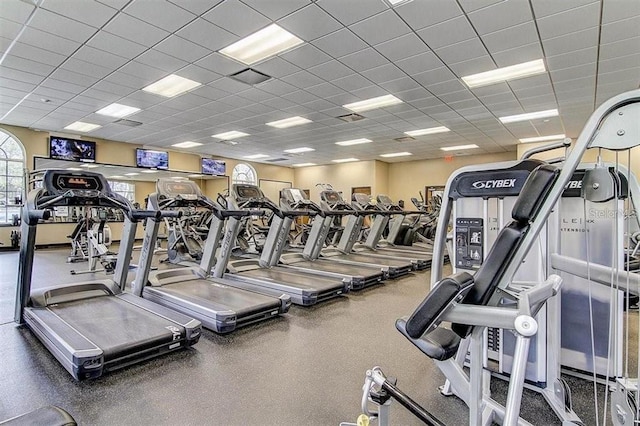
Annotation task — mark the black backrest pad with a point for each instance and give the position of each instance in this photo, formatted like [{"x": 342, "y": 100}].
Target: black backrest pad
[
  {"x": 534, "y": 192},
  {"x": 443, "y": 294},
  {"x": 525, "y": 209}
]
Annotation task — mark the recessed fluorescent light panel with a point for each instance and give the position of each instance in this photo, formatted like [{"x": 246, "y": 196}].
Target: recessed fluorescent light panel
[
  {"x": 353, "y": 142},
  {"x": 429, "y": 131},
  {"x": 230, "y": 135},
  {"x": 458, "y": 147},
  {"x": 117, "y": 110},
  {"x": 260, "y": 45},
  {"x": 299, "y": 150},
  {"x": 131, "y": 174},
  {"x": 529, "y": 116},
  {"x": 255, "y": 156},
  {"x": 345, "y": 160},
  {"x": 115, "y": 177},
  {"x": 90, "y": 166},
  {"x": 304, "y": 164},
  {"x": 512, "y": 72},
  {"x": 396, "y": 2},
  {"x": 396, "y": 154},
  {"x": 196, "y": 176},
  {"x": 74, "y": 169},
  {"x": 80, "y": 126},
  {"x": 543, "y": 138},
  {"x": 172, "y": 85},
  {"x": 149, "y": 171},
  {"x": 289, "y": 122},
  {"x": 186, "y": 144},
  {"x": 373, "y": 103}
]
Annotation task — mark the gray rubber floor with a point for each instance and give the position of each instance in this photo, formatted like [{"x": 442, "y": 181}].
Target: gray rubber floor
[{"x": 305, "y": 368}]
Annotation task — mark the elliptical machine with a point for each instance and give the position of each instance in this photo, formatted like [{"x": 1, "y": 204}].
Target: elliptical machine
[{"x": 184, "y": 241}]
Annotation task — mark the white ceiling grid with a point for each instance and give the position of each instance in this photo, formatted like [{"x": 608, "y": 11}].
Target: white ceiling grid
[{"x": 83, "y": 55}]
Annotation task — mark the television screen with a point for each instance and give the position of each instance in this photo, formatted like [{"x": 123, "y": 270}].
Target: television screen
[
  {"x": 152, "y": 159},
  {"x": 72, "y": 149},
  {"x": 213, "y": 167}
]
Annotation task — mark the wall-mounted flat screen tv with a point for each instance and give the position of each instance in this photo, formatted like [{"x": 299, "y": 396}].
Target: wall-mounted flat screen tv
[
  {"x": 213, "y": 167},
  {"x": 72, "y": 149},
  {"x": 150, "y": 159}
]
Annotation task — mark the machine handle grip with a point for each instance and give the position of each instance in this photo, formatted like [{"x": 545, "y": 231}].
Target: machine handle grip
[
  {"x": 170, "y": 214},
  {"x": 40, "y": 214}
]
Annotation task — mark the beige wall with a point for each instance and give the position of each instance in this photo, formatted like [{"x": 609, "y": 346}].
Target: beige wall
[
  {"x": 406, "y": 179},
  {"x": 342, "y": 177}
]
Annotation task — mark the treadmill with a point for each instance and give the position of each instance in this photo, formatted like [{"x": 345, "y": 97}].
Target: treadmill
[
  {"x": 361, "y": 202},
  {"x": 360, "y": 276},
  {"x": 191, "y": 290},
  {"x": 393, "y": 267},
  {"x": 303, "y": 288},
  {"x": 395, "y": 224},
  {"x": 92, "y": 327}
]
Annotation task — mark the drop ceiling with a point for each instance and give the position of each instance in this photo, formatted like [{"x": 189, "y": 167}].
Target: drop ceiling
[{"x": 65, "y": 59}]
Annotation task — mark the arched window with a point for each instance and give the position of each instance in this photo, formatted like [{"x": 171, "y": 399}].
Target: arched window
[
  {"x": 244, "y": 173},
  {"x": 11, "y": 177}
]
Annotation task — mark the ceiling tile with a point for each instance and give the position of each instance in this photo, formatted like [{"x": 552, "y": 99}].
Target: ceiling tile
[
  {"x": 383, "y": 73},
  {"x": 72, "y": 77},
  {"x": 571, "y": 42},
  {"x": 277, "y": 87},
  {"x": 117, "y": 89},
  {"x": 50, "y": 42},
  {"x": 277, "y": 67},
  {"x": 620, "y": 30},
  {"x": 331, "y": 70},
  {"x": 134, "y": 29},
  {"x": 220, "y": 64},
  {"x": 160, "y": 13},
  {"x": 421, "y": 14},
  {"x": 207, "y": 35},
  {"x": 197, "y": 7},
  {"x": 27, "y": 51},
  {"x": 619, "y": 48},
  {"x": 180, "y": 48},
  {"x": 276, "y": 9},
  {"x": 310, "y": 23},
  {"x": 303, "y": 79},
  {"x": 518, "y": 55},
  {"x": 370, "y": 29},
  {"x": 306, "y": 56},
  {"x": 420, "y": 63},
  {"x": 402, "y": 47},
  {"x": 142, "y": 71},
  {"x": 571, "y": 59},
  {"x": 340, "y": 43},
  {"x": 99, "y": 57},
  {"x": 9, "y": 29},
  {"x": 473, "y": 66},
  {"x": 434, "y": 76},
  {"x": 511, "y": 37},
  {"x": 16, "y": 10},
  {"x": 62, "y": 26},
  {"x": 471, "y": 5},
  {"x": 364, "y": 60},
  {"x": 580, "y": 71},
  {"x": 462, "y": 51},
  {"x": 400, "y": 85},
  {"x": 447, "y": 32},
  {"x": 8, "y": 83},
  {"x": 324, "y": 89},
  {"x": 620, "y": 63},
  {"x": 349, "y": 12},
  {"x": 198, "y": 74},
  {"x": 237, "y": 18},
  {"x": 89, "y": 12},
  {"x": 569, "y": 21},
  {"x": 622, "y": 9},
  {"x": 446, "y": 87},
  {"x": 22, "y": 64},
  {"x": 544, "y": 8},
  {"x": 161, "y": 61},
  {"x": 500, "y": 16},
  {"x": 116, "y": 45},
  {"x": 352, "y": 82}
]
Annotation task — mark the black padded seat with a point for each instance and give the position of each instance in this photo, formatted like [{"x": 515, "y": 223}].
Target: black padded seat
[
  {"x": 439, "y": 344},
  {"x": 423, "y": 329},
  {"x": 49, "y": 416}
]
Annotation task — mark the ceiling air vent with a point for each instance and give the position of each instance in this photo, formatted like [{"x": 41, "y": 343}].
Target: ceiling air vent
[
  {"x": 276, "y": 160},
  {"x": 228, "y": 142},
  {"x": 250, "y": 76},
  {"x": 405, "y": 139},
  {"x": 129, "y": 123},
  {"x": 349, "y": 118}
]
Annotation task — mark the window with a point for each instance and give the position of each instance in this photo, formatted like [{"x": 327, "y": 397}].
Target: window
[
  {"x": 126, "y": 189},
  {"x": 244, "y": 173},
  {"x": 12, "y": 168}
]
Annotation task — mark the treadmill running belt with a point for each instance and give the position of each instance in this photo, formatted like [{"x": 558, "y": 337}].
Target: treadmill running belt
[
  {"x": 115, "y": 326},
  {"x": 294, "y": 280},
  {"x": 220, "y": 298}
]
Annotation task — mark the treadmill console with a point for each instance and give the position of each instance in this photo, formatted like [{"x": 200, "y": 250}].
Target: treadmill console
[
  {"x": 78, "y": 188},
  {"x": 384, "y": 200},
  {"x": 245, "y": 192},
  {"x": 297, "y": 195},
  {"x": 330, "y": 197},
  {"x": 362, "y": 199},
  {"x": 171, "y": 188}
]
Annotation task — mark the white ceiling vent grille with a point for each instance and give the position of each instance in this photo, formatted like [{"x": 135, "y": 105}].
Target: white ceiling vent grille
[
  {"x": 129, "y": 123},
  {"x": 250, "y": 76},
  {"x": 405, "y": 139},
  {"x": 349, "y": 118}
]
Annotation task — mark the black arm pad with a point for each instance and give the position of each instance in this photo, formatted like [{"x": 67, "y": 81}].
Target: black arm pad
[{"x": 443, "y": 294}]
